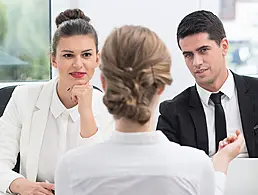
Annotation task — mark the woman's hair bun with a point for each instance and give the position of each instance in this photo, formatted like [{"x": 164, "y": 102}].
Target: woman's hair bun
[{"x": 71, "y": 14}]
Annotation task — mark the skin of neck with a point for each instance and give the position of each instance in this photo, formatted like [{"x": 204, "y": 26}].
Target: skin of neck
[
  {"x": 128, "y": 126},
  {"x": 64, "y": 95},
  {"x": 217, "y": 83}
]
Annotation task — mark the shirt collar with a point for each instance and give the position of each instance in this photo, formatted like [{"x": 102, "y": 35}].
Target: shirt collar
[
  {"x": 57, "y": 108},
  {"x": 74, "y": 114},
  {"x": 140, "y": 138},
  {"x": 227, "y": 88}
]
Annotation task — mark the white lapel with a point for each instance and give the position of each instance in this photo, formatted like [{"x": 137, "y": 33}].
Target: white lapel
[{"x": 38, "y": 125}]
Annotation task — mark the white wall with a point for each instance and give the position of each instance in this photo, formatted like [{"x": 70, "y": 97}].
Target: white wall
[{"x": 162, "y": 17}]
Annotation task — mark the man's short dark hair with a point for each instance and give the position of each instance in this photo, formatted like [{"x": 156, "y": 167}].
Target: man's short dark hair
[{"x": 201, "y": 22}]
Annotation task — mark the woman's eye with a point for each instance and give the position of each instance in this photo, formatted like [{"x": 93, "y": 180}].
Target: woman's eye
[{"x": 68, "y": 55}]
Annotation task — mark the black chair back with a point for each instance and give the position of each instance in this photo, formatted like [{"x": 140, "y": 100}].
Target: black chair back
[{"x": 5, "y": 95}]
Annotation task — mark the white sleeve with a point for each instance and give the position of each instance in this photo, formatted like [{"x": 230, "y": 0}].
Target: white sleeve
[
  {"x": 104, "y": 121},
  {"x": 63, "y": 181},
  {"x": 212, "y": 182},
  {"x": 220, "y": 180},
  {"x": 96, "y": 138},
  {"x": 10, "y": 131},
  {"x": 102, "y": 134},
  {"x": 207, "y": 182}
]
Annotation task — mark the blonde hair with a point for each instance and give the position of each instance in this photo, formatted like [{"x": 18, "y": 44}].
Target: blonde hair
[{"x": 135, "y": 63}]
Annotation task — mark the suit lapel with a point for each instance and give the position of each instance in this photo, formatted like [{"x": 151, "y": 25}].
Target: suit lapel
[
  {"x": 246, "y": 106},
  {"x": 197, "y": 113},
  {"x": 38, "y": 125}
]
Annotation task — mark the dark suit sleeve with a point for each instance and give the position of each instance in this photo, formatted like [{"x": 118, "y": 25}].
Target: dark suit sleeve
[{"x": 168, "y": 122}]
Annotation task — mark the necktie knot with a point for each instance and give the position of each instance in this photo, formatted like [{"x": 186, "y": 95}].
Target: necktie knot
[{"x": 216, "y": 97}]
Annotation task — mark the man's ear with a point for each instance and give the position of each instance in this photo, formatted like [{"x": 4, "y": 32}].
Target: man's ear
[{"x": 225, "y": 46}]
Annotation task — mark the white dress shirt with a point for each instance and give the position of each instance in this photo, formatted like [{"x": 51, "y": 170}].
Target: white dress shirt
[
  {"x": 230, "y": 105},
  {"x": 137, "y": 164},
  {"x": 62, "y": 134}
]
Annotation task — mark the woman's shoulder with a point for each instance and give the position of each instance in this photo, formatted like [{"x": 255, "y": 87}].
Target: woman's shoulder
[
  {"x": 188, "y": 162},
  {"x": 190, "y": 155},
  {"x": 29, "y": 91}
]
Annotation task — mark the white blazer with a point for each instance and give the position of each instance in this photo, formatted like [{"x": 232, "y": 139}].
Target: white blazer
[{"x": 23, "y": 124}]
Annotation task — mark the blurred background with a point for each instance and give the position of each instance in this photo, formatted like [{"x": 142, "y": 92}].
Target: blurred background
[
  {"x": 26, "y": 28},
  {"x": 24, "y": 40}
]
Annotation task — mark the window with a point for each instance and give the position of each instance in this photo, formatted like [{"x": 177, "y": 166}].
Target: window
[
  {"x": 24, "y": 40},
  {"x": 242, "y": 29}
]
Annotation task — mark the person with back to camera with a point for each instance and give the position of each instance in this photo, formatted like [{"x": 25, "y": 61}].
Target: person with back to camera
[
  {"x": 135, "y": 66},
  {"x": 42, "y": 121}
]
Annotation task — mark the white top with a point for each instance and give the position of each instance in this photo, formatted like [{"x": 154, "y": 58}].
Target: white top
[
  {"x": 25, "y": 127},
  {"x": 230, "y": 105},
  {"x": 62, "y": 134},
  {"x": 137, "y": 163}
]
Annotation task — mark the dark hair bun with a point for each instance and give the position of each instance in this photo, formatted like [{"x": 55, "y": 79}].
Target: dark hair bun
[{"x": 71, "y": 14}]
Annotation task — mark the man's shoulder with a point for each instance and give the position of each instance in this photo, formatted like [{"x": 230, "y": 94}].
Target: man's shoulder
[
  {"x": 247, "y": 79},
  {"x": 249, "y": 83},
  {"x": 251, "y": 80},
  {"x": 181, "y": 99}
]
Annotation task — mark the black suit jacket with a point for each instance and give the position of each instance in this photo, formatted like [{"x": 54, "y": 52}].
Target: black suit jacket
[{"x": 182, "y": 119}]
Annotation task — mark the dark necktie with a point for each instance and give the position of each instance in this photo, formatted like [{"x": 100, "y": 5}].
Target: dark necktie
[{"x": 220, "y": 120}]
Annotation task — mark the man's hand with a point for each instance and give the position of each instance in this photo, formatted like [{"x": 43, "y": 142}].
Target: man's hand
[{"x": 229, "y": 148}]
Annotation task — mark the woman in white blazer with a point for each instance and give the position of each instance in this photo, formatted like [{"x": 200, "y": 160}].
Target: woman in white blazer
[
  {"x": 137, "y": 160},
  {"x": 42, "y": 121}
]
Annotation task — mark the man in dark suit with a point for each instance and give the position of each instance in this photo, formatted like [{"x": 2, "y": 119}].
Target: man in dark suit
[{"x": 221, "y": 101}]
